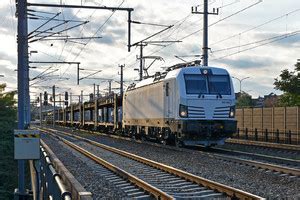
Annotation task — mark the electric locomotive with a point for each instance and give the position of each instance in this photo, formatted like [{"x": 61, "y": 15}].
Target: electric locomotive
[{"x": 186, "y": 105}]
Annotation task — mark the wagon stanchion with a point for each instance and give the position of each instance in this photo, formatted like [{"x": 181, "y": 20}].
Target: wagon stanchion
[
  {"x": 238, "y": 133},
  {"x": 246, "y": 134}
]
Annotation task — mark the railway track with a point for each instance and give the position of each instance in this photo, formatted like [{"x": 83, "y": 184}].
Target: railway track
[
  {"x": 264, "y": 144},
  {"x": 280, "y": 166},
  {"x": 159, "y": 180},
  {"x": 294, "y": 163}
]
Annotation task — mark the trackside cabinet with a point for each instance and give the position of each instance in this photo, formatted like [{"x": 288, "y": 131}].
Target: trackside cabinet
[{"x": 27, "y": 144}]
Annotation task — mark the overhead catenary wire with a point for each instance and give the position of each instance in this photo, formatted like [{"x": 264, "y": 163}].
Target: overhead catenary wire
[
  {"x": 210, "y": 25},
  {"x": 105, "y": 22},
  {"x": 275, "y": 39},
  {"x": 239, "y": 46},
  {"x": 258, "y": 26},
  {"x": 258, "y": 41}
]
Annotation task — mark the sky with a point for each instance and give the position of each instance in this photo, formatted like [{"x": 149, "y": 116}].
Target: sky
[{"x": 252, "y": 39}]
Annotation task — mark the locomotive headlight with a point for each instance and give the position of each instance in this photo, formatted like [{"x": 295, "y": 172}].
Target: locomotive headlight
[
  {"x": 183, "y": 111},
  {"x": 232, "y": 112}
]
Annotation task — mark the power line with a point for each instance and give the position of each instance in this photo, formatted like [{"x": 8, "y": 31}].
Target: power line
[
  {"x": 224, "y": 18},
  {"x": 263, "y": 44},
  {"x": 77, "y": 55},
  {"x": 195, "y": 32},
  {"x": 255, "y": 42},
  {"x": 255, "y": 27}
]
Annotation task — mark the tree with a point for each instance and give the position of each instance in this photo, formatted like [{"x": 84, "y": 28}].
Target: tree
[
  {"x": 7, "y": 109},
  {"x": 8, "y": 170},
  {"x": 244, "y": 100},
  {"x": 289, "y": 83}
]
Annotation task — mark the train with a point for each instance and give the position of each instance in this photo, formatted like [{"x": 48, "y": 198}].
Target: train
[{"x": 186, "y": 105}]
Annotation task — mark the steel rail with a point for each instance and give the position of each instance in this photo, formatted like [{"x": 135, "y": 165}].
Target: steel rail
[
  {"x": 260, "y": 156},
  {"x": 264, "y": 144},
  {"x": 230, "y": 191},
  {"x": 157, "y": 193},
  {"x": 267, "y": 166},
  {"x": 277, "y": 168}
]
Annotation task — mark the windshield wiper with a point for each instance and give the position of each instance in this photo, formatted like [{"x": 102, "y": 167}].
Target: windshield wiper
[
  {"x": 201, "y": 95},
  {"x": 215, "y": 89}
]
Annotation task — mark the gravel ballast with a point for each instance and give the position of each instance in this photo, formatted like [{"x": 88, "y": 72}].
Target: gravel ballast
[
  {"x": 259, "y": 182},
  {"x": 290, "y": 154},
  {"x": 86, "y": 171}
]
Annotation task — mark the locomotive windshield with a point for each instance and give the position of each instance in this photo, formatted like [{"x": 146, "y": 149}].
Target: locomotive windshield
[{"x": 207, "y": 84}]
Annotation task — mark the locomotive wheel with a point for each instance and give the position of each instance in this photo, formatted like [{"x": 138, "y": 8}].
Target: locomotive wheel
[
  {"x": 143, "y": 137},
  {"x": 163, "y": 141},
  {"x": 132, "y": 134},
  {"x": 178, "y": 143}
]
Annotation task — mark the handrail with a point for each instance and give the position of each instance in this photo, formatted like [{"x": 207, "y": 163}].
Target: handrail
[{"x": 64, "y": 193}]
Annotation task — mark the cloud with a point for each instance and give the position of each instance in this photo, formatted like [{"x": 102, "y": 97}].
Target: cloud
[
  {"x": 247, "y": 62},
  {"x": 261, "y": 64},
  {"x": 10, "y": 59},
  {"x": 286, "y": 39}
]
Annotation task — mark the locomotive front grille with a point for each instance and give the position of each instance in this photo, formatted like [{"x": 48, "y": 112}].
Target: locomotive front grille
[
  {"x": 196, "y": 112},
  {"x": 221, "y": 112}
]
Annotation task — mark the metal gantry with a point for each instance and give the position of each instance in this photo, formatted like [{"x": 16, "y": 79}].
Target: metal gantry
[{"x": 129, "y": 10}]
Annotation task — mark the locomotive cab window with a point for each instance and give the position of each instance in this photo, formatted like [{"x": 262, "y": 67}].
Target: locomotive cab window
[
  {"x": 219, "y": 84},
  {"x": 195, "y": 84},
  {"x": 207, "y": 84}
]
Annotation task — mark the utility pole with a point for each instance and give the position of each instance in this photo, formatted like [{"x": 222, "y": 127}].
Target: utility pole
[
  {"x": 94, "y": 94},
  {"x": 70, "y": 98},
  {"x": 109, "y": 87},
  {"x": 141, "y": 61},
  {"x": 41, "y": 109},
  {"x": 121, "y": 81},
  {"x": 60, "y": 101},
  {"x": 81, "y": 97},
  {"x": 23, "y": 93},
  {"x": 53, "y": 97},
  {"x": 98, "y": 91},
  {"x": 205, "y": 29},
  {"x": 78, "y": 74}
]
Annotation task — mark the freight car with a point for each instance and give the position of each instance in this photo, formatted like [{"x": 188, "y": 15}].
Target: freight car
[{"x": 185, "y": 105}]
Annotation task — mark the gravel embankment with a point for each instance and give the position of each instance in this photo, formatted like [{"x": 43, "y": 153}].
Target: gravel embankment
[
  {"x": 259, "y": 182},
  {"x": 159, "y": 179},
  {"x": 87, "y": 172}
]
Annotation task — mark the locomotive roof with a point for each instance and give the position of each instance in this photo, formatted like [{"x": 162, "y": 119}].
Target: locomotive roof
[{"x": 174, "y": 73}]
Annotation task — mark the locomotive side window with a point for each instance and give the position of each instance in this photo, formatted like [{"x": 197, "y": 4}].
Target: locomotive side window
[
  {"x": 195, "y": 84},
  {"x": 219, "y": 84},
  {"x": 167, "y": 89}
]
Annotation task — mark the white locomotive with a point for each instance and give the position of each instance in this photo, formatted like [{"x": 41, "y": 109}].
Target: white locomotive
[{"x": 192, "y": 105}]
